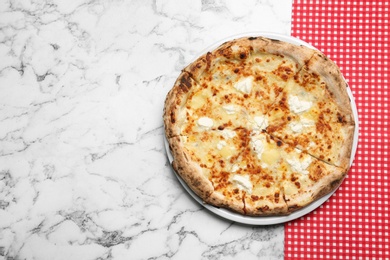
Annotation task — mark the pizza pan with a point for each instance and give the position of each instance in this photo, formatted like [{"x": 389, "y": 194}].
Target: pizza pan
[{"x": 266, "y": 220}]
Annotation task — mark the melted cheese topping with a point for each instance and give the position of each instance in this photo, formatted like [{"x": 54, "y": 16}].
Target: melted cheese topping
[{"x": 271, "y": 156}]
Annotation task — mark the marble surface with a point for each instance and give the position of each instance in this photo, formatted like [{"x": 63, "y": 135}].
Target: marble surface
[{"x": 83, "y": 169}]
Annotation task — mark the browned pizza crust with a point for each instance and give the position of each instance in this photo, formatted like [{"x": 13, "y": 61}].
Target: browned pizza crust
[
  {"x": 189, "y": 170},
  {"x": 175, "y": 102},
  {"x": 335, "y": 84},
  {"x": 299, "y": 54},
  {"x": 236, "y": 51},
  {"x": 274, "y": 206},
  {"x": 193, "y": 175},
  {"x": 320, "y": 188},
  {"x": 233, "y": 203},
  {"x": 346, "y": 148}
]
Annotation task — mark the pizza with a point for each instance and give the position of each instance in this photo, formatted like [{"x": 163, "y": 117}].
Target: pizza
[{"x": 260, "y": 126}]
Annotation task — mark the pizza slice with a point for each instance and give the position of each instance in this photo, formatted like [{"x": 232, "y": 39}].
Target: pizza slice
[
  {"x": 283, "y": 178},
  {"x": 319, "y": 90},
  {"x": 256, "y": 176},
  {"x": 175, "y": 107},
  {"x": 238, "y": 92},
  {"x": 273, "y": 66},
  {"x": 205, "y": 159},
  {"x": 328, "y": 141},
  {"x": 191, "y": 108},
  {"x": 306, "y": 178}
]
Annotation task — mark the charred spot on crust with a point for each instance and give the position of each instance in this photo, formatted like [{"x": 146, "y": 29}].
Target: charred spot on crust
[
  {"x": 236, "y": 70},
  {"x": 276, "y": 195},
  {"x": 279, "y": 143},
  {"x": 242, "y": 55},
  {"x": 196, "y": 183},
  {"x": 208, "y": 60},
  {"x": 263, "y": 209},
  {"x": 252, "y": 38},
  {"x": 173, "y": 119},
  {"x": 341, "y": 118},
  {"x": 185, "y": 83},
  {"x": 335, "y": 183}
]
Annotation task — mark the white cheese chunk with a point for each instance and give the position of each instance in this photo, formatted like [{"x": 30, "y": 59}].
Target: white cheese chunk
[
  {"x": 235, "y": 168},
  {"x": 244, "y": 85},
  {"x": 297, "y": 105},
  {"x": 229, "y": 109},
  {"x": 261, "y": 122},
  {"x": 227, "y": 134},
  {"x": 221, "y": 144},
  {"x": 205, "y": 122},
  {"x": 297, "y": 127},
  {"x": 242, "y": 182},
  {"x": 258, "y": 147},
  {"x": 300, "y": 166}
]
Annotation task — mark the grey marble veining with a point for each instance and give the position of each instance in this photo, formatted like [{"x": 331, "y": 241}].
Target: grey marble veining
[{"x": 83, "y": 169}]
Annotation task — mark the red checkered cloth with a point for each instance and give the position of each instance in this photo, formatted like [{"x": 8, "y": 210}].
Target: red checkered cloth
[{"x": 354, "y": 223}]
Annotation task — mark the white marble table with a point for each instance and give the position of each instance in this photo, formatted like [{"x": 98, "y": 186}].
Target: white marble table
[{"x": 83, "y": 169}]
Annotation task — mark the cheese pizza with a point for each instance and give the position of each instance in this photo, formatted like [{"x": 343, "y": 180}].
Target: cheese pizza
[{"x": 260, "y": 126}]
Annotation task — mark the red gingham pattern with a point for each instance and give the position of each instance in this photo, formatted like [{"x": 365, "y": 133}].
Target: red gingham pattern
[{"x": 354, "y": 223}]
